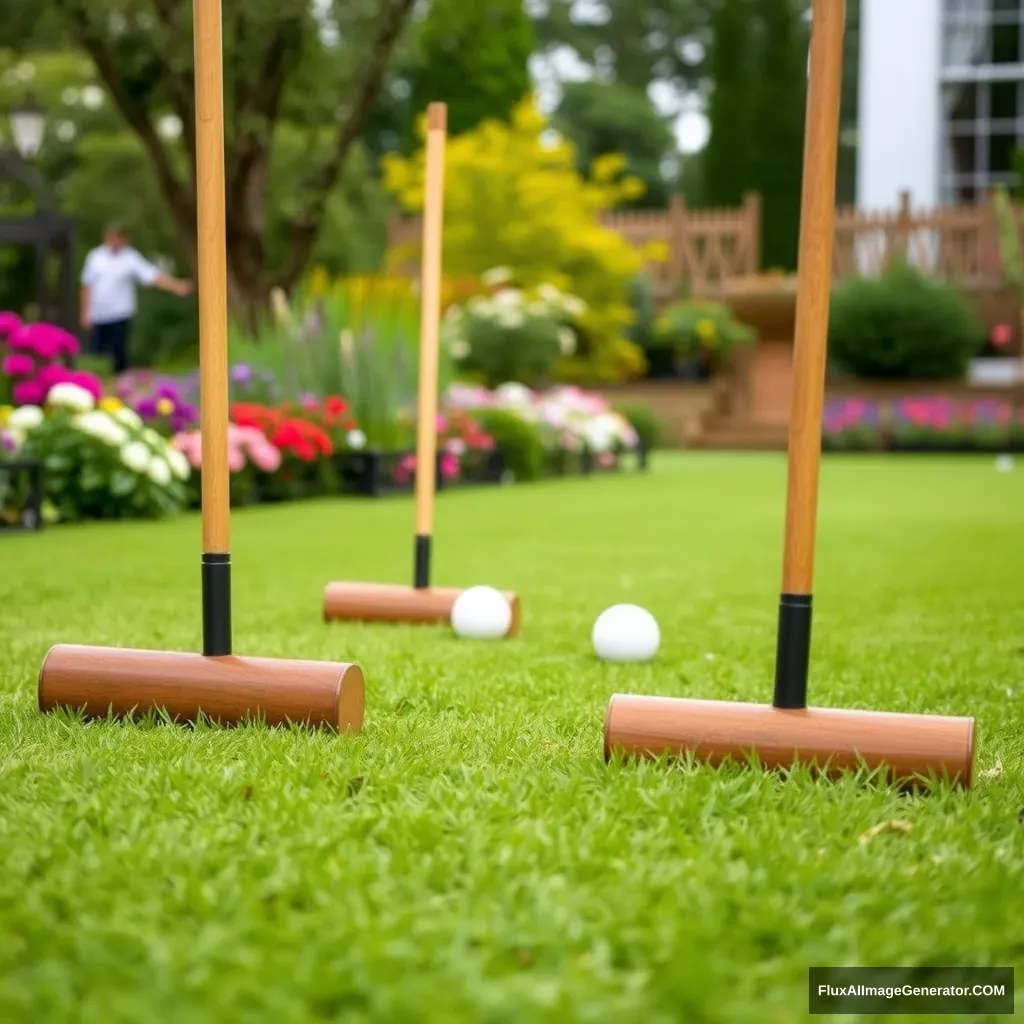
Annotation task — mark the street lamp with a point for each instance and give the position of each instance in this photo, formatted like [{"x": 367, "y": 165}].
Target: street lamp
[{"x": 28, "y": 126}]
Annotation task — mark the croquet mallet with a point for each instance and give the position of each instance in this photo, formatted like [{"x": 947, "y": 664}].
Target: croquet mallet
[
  {"x": 224, "y": 687},
  {"x": 420, "y": 603},
  {"x": 903, "y": 748}
]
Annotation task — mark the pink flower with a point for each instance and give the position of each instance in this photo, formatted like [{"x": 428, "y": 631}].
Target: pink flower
[
  {"x": 188, "y": 443},
  {"x": 1002, "y": 334},
  {"x": 67, "y": 343},
  {"x": 37, "y": 338},
  {"x": 28, "y": 392},
  {"x": 236, "y": 459},
  {"x": 9, "y": 323},
  {"x": 456, "y": 446},
  {"x": 441, "y": 423},
  {"x": 87, "y": 380},
  {"x": 266, "y": 457},
  {"x": 449, "y": 466},
  {"x": 21, "y": 338},
  {"x": 17, "y": 364}
]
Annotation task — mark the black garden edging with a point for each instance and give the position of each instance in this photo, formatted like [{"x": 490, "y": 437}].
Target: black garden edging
[
  {"x": 378, "y": 474},
  {"x": 924, "y": 448},
  {"x": 21, "y": 496}
]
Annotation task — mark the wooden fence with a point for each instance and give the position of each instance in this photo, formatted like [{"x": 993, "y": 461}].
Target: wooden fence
[{"x": 708, "y": 248}]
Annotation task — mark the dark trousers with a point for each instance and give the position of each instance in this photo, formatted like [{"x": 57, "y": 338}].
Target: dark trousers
[{"x": 112, "y": 340}]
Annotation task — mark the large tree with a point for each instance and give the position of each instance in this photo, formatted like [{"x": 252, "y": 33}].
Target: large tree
[
  {"x": 320, "y": 70},
  {"x": 473, "y": 55},
  {"x": 777, "y": 129},
  {"x": 600, "y": 118},
  {"x": 727, "y": 159},
  {"x": 633, "y": 42}
]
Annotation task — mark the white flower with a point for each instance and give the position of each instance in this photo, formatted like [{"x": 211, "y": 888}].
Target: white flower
[
  {"x": 178, "y": 462},
  {"x": 549, "y": 293},
  {"x": 495, "y": 276},
  {"x": 567, "y": 341},
  {"x": 508, "y": 298},
  {"x": 70, "y": 396},
  {"x": 513, "y": 394},
  {"x": 135, "y": 455},
  {"x": 102, "y": 426},
  {"x": 480, "y": 306},
  {"x": 510, "y": 318},
  {"x": 459, "y": 348},
  {"x": 573, "y": 306},
  {"x": 25, "y": 417},
  {"x": 600, "y": 431},
  {"x": 153, "y": 439},
  {"x": 129, "y": 417},
  {"x": 356, "y": 439},
  {"x": 159, "y": 471}
]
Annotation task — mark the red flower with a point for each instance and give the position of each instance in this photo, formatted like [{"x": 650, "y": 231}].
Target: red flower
[{"x": 335, "y": 405}]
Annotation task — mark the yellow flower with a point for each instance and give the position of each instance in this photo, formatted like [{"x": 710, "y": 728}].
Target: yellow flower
[
  {"x": 111, "y": 404},
  {"x": 705, "y": 330},
  {"x": 165, "y": 407},
  {"x": 5, "y": 412}
]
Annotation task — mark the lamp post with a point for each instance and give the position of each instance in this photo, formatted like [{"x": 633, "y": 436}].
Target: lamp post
[
  {"x": 46, "y": 230},
  {"x": 28, "y": 127}
]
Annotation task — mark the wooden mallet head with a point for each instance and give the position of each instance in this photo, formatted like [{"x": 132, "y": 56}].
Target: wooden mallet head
[
  {"x": 223, "y": 687},
  {"x": 908, "y": 749},
  {"x": 420, "y": 603}
]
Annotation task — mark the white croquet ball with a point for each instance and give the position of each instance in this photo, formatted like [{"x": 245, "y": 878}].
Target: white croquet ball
[
  {"x": 481, "y": 613},
  {"x": 1004, "y": 463},
  {"x": 626, "y": 632}
]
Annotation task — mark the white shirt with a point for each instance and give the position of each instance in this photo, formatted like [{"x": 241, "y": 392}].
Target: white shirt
[{"x": 111, "y": 278}]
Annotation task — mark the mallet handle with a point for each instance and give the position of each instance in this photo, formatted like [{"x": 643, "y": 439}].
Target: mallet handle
[
  {"x": 213, "y": 321},
  {"x": 430, "y": 325},
  {"x": 814, "y": 281}
]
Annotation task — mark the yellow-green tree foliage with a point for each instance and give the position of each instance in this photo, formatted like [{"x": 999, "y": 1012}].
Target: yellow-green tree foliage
[{"x": 515, "y": 199}]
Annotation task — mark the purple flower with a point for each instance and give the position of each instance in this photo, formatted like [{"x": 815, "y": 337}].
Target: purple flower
[
  {"x": 146, "y": 407},
  {"x": 7, "y": 442},
  {"x": 18, "y": 364},
  {"x": 183, "y": 418},
  {"x": 168, "y": 390},
  {"x": 241, "y": 374}
]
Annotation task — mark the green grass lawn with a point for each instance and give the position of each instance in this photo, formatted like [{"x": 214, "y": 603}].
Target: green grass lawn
[{"x": 470, "y": 857}]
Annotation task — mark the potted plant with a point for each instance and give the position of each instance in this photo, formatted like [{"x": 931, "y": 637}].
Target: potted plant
[{"x": 701, "y": 335}]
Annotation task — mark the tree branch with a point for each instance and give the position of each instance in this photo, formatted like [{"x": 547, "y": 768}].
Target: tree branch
[
  {"x": 306, "y": 226},
  {"x": 256, "y": 104},
  {"x": 180, "y": 88},
  {"x": 134, "y": 112}
]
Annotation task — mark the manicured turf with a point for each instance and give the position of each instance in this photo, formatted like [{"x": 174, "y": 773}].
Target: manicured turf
[{"x": 470, "y": 857}]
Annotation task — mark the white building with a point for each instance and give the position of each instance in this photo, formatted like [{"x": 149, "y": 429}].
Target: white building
[{"x": 941, "y": 99}]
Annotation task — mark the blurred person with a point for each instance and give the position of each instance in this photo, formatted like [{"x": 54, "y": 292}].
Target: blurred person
[{"x": 109, "y": 276}]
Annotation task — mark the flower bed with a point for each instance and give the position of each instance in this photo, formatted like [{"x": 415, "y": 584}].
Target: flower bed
[
  {"x": 138, "y": 452},
  {"x": 932, "y": 424},
  {"x": 579, "y": 432}
]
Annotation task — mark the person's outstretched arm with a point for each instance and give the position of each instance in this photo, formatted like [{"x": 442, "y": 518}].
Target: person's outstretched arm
[{"x": 150, "y": 275}]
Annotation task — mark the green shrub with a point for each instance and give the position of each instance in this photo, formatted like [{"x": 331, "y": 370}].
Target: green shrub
[
  {"x": 519, "y": 441},
  {"x": 165, "y": 331},
  {"x": 504, "y": 337},
  {"x": 903, "y": 326},
  {"x": 644, "y": 422}
]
